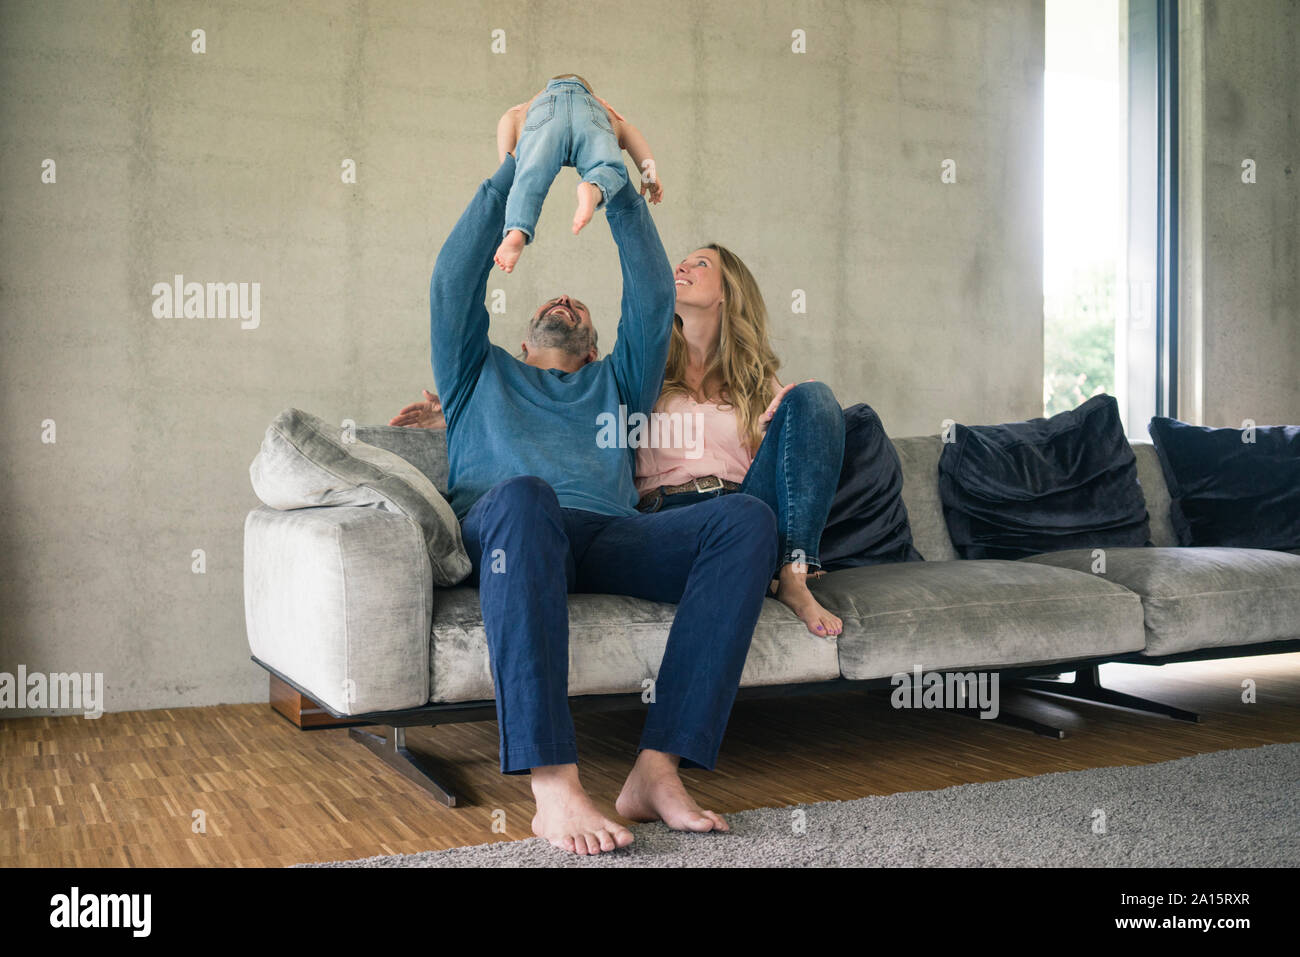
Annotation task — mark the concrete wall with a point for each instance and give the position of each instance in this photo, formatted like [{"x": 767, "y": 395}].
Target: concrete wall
[
  {"x": 820, "y": 169},
  {"x": 1240, "y": 253}
]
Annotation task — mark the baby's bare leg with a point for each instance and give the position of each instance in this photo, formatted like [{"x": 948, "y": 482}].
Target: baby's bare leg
[
  {"x": 508, "y": 252},
  {"x": 588, "y": 199}
]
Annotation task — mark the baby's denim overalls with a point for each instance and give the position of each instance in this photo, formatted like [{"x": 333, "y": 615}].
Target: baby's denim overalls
[{"x": 565, "y": 126}]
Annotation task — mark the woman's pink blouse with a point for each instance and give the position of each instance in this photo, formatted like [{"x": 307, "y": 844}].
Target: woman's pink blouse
[{"x": 707, "y": 444}]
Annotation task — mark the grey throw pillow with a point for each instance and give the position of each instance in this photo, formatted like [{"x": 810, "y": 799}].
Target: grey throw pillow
[{"x": 304, "y": 462}]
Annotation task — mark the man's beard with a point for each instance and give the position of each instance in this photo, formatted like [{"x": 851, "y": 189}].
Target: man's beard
[{"x": 552, "y": 331}]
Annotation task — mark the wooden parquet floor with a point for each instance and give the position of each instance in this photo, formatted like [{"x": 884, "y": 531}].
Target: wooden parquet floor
[{"x": 124, "y": 790}]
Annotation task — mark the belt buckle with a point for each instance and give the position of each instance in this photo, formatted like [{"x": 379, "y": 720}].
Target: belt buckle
[{"x": 714, "y": 488}]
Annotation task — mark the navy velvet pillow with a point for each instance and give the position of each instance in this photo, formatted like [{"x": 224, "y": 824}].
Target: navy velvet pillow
[
  {"x": 1023, "y": 488},
  {"x": 867, "y": 524},
  {"x": 1228, "y": 491}
]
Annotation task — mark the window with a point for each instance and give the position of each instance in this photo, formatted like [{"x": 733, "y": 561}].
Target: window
[{"x": 1109, "y": 316}]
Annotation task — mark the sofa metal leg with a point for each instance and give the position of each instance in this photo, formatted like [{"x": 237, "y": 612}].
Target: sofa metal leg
[
  {"x": 1012, "y": 720},
  {"x": 1087, "y": 686},
  {"x": 417, "y": 767}
]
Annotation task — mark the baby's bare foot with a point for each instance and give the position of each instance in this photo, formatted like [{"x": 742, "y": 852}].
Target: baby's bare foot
[
  {"x": 508, "y": 252},
  {"x": 794, "y": 594},
  {"x": 588, "y": 199},
  {"x": 654, "y": 792},
  {"x": 566, "y": 816}
]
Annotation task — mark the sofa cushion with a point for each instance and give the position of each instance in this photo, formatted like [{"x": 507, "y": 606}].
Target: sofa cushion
[
  {"x": 919, "y": 457},
  {"x": 615, "y": 642},
  {"x": 1043, "y": 485},
  {"x": 306, "y": 462},
  {"x": 426, "y": 449},
  {"x": 867, "y": 524},
  {"x": 1156, "y": 494},
  {"x": 962, "y": 614},
  {"x": 1196, "y": 598},
  {"x": 1229, "y": 491}
]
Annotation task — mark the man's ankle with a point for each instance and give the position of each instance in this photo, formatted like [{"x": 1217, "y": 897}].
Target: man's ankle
[
  {"x": 550, "y": 776},
  {"x": 650, "y": 759}
]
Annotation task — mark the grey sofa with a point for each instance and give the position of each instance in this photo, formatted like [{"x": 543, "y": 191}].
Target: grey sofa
[{"x": 340, "y": 604}]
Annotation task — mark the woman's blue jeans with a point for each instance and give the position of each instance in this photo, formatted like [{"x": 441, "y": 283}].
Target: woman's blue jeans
[
  {"x": 795, "y": 471},
  {"x": 565, "y": 126}
]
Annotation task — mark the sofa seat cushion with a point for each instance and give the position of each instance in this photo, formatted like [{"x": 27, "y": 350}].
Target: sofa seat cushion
[
  {"x": 1196, "y": 598},
  {"x": 615, "y": 642},
  {"x": 965, "y": 614}
]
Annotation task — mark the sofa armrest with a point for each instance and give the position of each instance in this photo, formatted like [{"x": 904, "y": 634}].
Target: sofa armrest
[{"x": 340, "y": 601}]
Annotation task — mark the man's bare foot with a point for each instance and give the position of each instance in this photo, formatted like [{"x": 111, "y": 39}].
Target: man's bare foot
[
  {"x": 654, "y": 792},
  {"x": 588, "y": 199},
  {"x": 508, "y": 252},
  {"x": 794, "y": 594},
  {"x": 566, "y": 816}
]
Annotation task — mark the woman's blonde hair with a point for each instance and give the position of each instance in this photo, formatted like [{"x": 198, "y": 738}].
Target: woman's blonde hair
[{"x": 744, "y": 365}]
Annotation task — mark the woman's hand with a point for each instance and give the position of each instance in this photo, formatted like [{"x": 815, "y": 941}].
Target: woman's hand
[
  {"x": 422, "y": 415},
  {"x": 766, "y": 417}
]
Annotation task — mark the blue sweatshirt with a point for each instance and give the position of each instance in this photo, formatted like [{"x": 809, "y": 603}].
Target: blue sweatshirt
[{"x": 506, "y": 418}]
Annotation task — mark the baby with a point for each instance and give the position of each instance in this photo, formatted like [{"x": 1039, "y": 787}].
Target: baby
[{"x": 566, "y": 124}]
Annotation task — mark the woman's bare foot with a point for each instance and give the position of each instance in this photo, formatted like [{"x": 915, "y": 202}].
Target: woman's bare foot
[
  {"x": 588, "y": 199},
  {"x": 794, "y": 594},
  {"x": 508, "y": 252},
  {"x": 654, "y": 792},
  {"x": 566, "y": 816}
]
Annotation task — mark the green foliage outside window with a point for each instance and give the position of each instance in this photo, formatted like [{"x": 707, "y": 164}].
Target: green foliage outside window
[{"x": 1079, "y": 340}]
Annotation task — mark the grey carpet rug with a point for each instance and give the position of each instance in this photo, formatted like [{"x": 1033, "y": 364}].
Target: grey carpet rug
[{"x": 1236, "y": 808}]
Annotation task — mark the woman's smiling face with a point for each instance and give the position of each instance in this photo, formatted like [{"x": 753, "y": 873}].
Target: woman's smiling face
[{"x": 699, "y": 279}]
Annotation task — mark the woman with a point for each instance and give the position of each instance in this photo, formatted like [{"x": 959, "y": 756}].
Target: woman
[{"x": 784, "y": 445}]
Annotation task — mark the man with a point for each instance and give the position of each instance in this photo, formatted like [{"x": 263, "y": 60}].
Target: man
[{"x": 546, "y": 509}]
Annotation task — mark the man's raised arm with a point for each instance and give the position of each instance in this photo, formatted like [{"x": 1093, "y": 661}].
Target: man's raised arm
[
  {"x": 649, "y": 300},
  {"x": 458, "y": 317}
]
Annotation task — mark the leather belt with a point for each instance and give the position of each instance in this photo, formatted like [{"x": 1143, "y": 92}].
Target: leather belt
[{"x": 710, "y": 483}]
